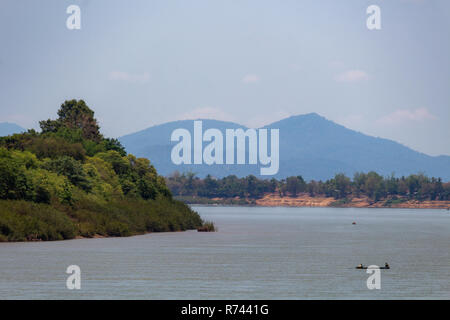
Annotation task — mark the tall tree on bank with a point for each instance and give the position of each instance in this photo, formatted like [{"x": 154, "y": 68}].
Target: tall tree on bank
[{"x": 74, "y": 114}]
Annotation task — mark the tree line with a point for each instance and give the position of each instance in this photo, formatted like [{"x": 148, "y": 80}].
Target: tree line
[{"x": 372, "y": 185}]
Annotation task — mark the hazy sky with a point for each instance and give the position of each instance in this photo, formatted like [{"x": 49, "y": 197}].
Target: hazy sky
[{"x": 141, "y": 63}]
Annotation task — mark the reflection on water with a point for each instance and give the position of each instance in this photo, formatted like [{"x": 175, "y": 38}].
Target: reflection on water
[{"x": 258, "y": 253}]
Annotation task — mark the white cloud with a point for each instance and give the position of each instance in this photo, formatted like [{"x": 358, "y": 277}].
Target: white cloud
[
  {"x": 129, "y": 77},
  {"x": 206, "y": 113},
  {"x": 250, "y": 78},
  {"x": 403, "y": 115},
  {"x": 352, "y": 76}
]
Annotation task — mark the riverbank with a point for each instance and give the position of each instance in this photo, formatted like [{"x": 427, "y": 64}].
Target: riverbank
[
  {"x": 272, "y": 200},
  {"x": 305, "y": 200},
  {"x": 28, "y": 221}
]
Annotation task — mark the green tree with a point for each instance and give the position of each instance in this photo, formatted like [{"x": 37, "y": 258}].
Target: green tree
[
  {"x": 72, "y": 169},
  {"x": 294, "y": 185},
  {"x": 74, "y": 114},
  {"x": 374, "y": 186},
  {"x": 14, "y": 182}
]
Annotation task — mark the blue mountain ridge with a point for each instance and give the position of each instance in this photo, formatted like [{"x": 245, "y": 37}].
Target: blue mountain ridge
[
  {"x": 7, "y": 129},
  {"x": 310, "y": 145}
]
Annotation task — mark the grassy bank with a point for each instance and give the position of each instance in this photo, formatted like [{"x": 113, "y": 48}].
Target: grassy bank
[{"x": 27, "y": 221}]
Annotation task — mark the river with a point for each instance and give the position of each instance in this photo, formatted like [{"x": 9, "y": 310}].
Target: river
[{"x": 257, "y": 253}]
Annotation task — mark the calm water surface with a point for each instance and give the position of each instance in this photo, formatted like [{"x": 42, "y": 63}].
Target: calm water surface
[{"x": 258, "y": 253}]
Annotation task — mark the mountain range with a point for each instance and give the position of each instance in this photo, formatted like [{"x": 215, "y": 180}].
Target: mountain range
[
  {"x": 7, "y": 129},
  {"x": 310, "y": 145}
]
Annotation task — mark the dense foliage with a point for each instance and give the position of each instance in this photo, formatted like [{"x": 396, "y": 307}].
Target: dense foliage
[
  {"x": 70, "y": 181},
  {"x": 371, "y": 185}
]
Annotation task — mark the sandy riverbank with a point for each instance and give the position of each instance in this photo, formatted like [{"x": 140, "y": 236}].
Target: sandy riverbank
[
  {"x": 305, "y": 200},
  {"x": 272, "y": 200}
]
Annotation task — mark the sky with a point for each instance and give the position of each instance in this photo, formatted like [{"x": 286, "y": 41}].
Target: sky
[{"x": 141, "y": 63}]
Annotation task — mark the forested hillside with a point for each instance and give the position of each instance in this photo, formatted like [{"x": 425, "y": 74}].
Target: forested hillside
[{"x": 69, "y": 180}]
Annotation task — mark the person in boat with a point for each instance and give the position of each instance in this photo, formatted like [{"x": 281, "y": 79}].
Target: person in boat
[
  {"x": 360, "y": 266},
  {"x": 386, "y": 266}
]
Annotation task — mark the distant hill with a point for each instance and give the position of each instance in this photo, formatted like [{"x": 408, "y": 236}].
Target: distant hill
[
  {"x": 155, "y": 141},
  {"x": 310, "y": 145},
  {"x": 7, "y": 129}
]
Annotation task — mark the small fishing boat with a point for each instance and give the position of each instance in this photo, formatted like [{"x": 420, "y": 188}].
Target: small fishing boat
[{"x": 360, "y": 266}]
